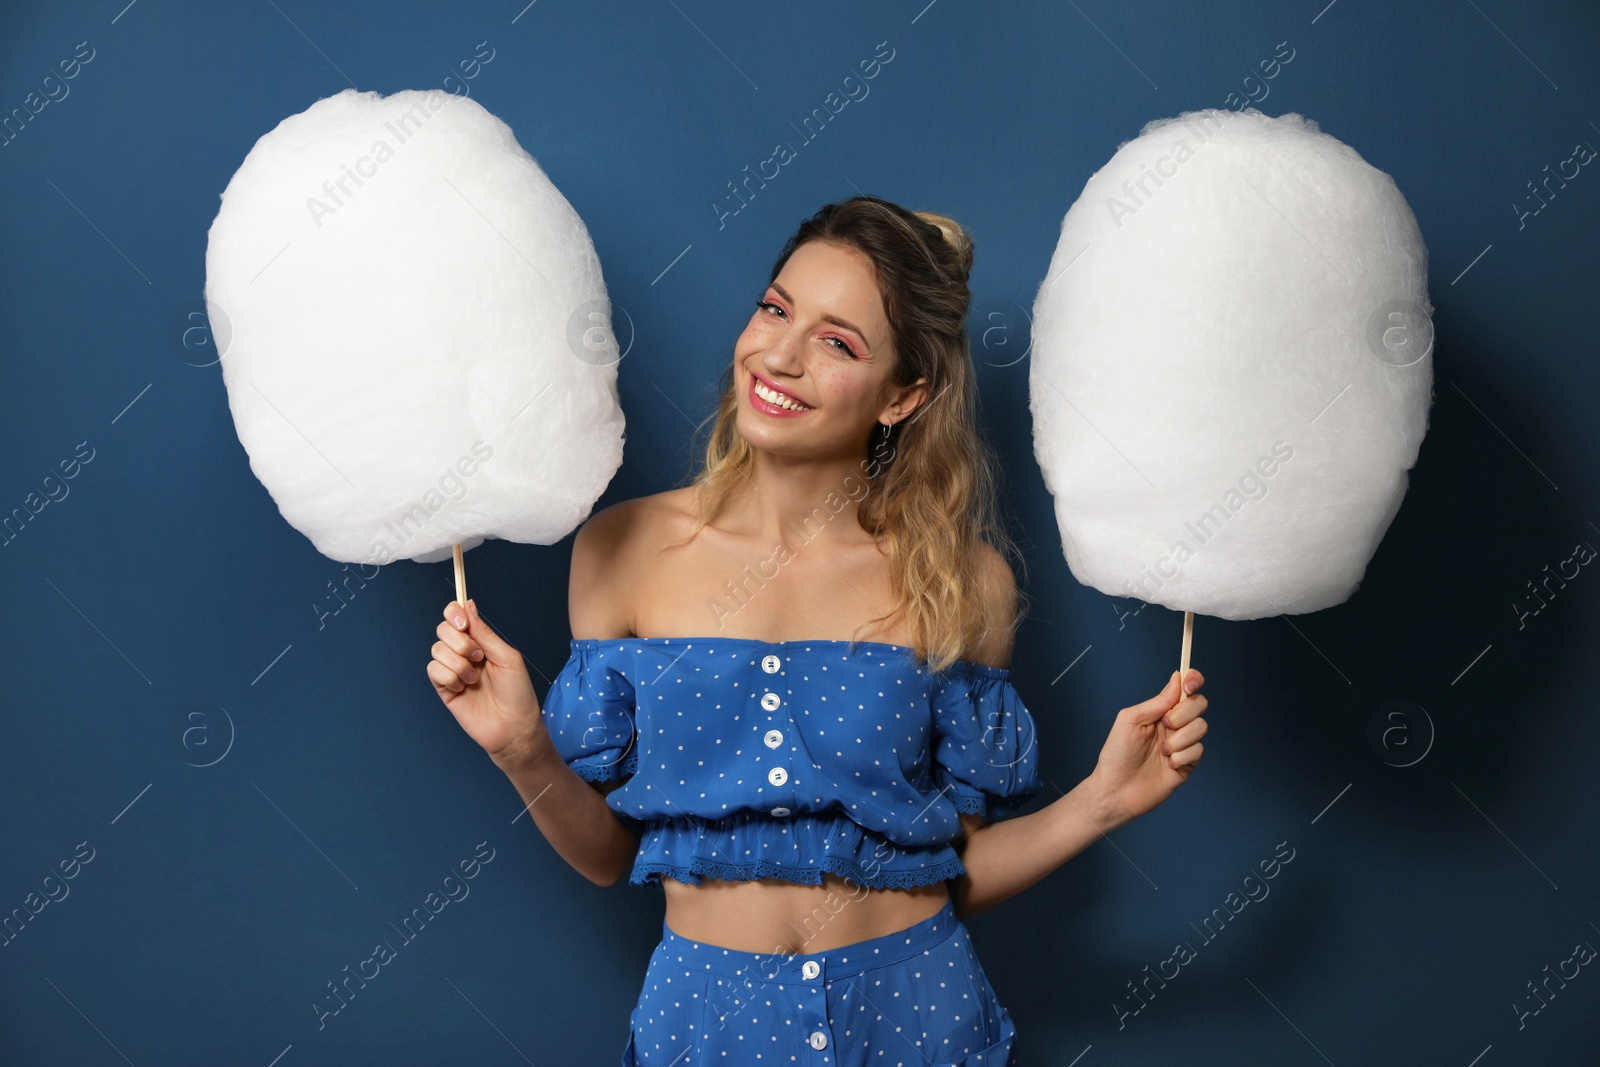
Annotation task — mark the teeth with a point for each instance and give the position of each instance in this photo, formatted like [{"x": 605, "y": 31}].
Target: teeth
[{"x": 778, "y": 399}]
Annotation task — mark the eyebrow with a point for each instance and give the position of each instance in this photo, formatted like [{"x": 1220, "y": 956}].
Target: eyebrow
[{"x": 836, "y": 320}]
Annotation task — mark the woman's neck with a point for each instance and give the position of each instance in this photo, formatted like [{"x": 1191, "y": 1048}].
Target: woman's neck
[{"x": 792, "y": 502}]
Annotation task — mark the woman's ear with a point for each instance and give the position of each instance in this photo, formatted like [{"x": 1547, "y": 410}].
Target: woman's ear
[{"x": 907, "y": 400}]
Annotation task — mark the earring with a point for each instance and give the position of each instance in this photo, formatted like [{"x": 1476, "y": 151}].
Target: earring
[{"x": 887, "y": 426}]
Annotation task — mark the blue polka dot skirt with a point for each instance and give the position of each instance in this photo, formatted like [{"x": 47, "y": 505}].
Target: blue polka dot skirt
[{"x": 913, "y": 998}]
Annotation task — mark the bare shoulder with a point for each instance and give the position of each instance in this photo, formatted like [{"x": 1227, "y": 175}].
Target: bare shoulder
[
  {"x": 1000, "y": 605},
  {"x": 609, "y": 553},
  {"x": 667, "y": 516}
]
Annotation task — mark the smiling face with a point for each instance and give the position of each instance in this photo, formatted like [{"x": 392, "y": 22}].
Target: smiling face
[{"x": 820, "y": 338}]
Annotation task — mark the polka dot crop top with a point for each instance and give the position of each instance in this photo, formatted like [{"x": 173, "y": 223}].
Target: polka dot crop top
[{"x": 749, "y": 759}]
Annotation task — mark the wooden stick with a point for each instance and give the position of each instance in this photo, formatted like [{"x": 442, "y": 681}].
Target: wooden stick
[
  {"x": 1188, "y": 639},
  {"x": 461, "y": 588}
]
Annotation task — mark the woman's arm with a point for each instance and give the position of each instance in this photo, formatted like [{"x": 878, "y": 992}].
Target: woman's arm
[
  {"x": 1153, "y": 747},
  {"x": 484, "y": 682},
  {"x": 571, "y": 813},
  {"x": 1004, "y": 858}
]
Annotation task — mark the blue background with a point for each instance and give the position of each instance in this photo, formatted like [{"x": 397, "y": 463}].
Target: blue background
[{"x": 161, "y": 615}]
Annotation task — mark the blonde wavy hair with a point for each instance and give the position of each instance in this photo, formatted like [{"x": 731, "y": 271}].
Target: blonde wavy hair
[{"x": 934, "y": 482}]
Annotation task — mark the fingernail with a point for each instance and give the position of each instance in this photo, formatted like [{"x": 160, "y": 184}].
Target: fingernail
[
  {"x": 472, "y": 676},
  {"x": 477, "y": 653},
  {"x": 460, "y": 621},
  {"x": 1189, "y": 686}
]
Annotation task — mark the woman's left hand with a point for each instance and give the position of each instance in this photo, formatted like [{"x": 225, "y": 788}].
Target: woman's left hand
[{"x": 1152, "y": 749}]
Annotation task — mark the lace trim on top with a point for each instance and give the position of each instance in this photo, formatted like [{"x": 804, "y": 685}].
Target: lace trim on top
[{"x": 801, "y": 847}]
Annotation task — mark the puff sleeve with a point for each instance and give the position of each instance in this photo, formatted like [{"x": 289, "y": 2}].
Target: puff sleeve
[
  {"x": 985, "y": 755},
  {"x": 589, "y": 712}
]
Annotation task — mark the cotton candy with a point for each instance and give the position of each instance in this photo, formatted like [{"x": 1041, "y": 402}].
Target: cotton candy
[
  {"x": 418, "y": 347},
  {"x": 1232, "y": 366}
]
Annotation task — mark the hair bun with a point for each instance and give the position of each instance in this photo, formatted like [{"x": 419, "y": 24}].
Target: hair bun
[{"x": 954, "y": 236}]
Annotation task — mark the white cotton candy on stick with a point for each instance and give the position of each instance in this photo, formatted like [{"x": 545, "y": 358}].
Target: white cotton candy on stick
[
  {"x": 414, "y": 331},
  {"x": 1232, "y": 366}
]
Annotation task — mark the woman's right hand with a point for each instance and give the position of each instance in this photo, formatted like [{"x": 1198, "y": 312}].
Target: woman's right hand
[{"x": 483, "y": 681}]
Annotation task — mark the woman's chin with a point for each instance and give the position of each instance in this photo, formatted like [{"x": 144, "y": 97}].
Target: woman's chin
[{"x": 759, "y": 437}]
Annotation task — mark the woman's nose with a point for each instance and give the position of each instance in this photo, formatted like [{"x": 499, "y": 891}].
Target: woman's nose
[{"x": 785, "y": 354}]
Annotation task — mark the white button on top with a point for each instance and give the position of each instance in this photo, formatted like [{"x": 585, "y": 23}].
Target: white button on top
[
  {"x": 810, "y": 969},
  {"x": 770, "y": 664},
  {"x": 770, "y": 701},
  {"x": 780, "y": 811},
  {"x": 777, "y": 776},
  {"x": 774, "y": 738},
  {"x": 819, "y": 1040}
]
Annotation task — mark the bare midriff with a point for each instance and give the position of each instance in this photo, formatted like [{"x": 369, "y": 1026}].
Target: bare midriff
[{"x": 775, "y": 916}]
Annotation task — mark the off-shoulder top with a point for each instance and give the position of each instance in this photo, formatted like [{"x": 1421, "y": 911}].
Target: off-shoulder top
[{"x": 748, "y": 759}]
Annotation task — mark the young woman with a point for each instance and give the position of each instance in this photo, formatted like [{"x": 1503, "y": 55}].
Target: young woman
[{"x": 789, "y": 700}]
